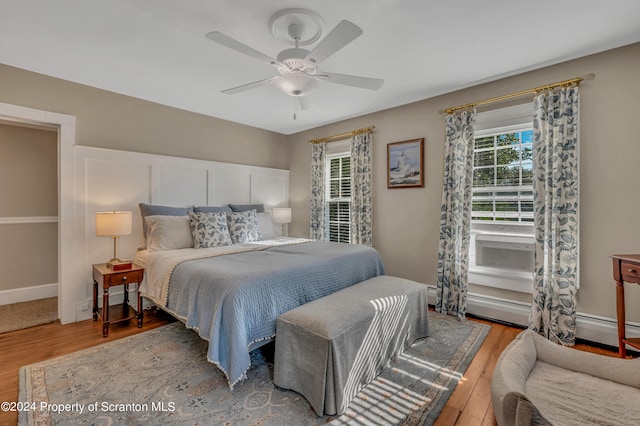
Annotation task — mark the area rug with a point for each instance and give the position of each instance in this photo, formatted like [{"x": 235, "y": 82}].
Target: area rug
[
  {"x": 21, "y": 315},
  {"x": 162, "y": 377}
]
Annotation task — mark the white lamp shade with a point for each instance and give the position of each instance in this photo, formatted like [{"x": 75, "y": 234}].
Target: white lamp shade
[
  {"x": 281, "y": 215},
  {"x": 111, "y": 224}
]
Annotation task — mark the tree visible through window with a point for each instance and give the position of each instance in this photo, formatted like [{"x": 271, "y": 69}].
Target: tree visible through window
[
  {"x": 502, "y": 177},
  {"x": 339, "y": 198}
]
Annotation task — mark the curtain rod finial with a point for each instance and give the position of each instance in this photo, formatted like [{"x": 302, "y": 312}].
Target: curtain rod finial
[{"x": 589, "y": 76}]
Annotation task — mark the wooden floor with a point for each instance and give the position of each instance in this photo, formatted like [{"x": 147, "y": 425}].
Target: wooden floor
[{"x": 470, "y": 403}]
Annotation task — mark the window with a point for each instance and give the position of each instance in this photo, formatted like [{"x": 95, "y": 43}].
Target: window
[
  {"x": 502, "y": 176},
  {"x": 338, "y": 197},
  {"x": 502, "y": 243}
]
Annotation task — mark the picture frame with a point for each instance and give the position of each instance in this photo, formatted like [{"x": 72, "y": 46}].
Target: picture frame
[{"x": 405, "y": 164}]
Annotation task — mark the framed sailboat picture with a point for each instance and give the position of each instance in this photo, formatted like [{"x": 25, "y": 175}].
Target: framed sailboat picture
[{"x": 405, "y": 164}]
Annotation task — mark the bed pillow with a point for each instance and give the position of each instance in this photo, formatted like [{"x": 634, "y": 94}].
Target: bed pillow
[
  {"x": 259, "y": 208},
  {"x": 155, "y": 210},
  {"x": 265, "y": 225},
  {"x": 211, "y": 209},
  {"x": 168, "y": 233},
  {"x": 243, "y": 227},
  {"x": 209, "y": 229}
]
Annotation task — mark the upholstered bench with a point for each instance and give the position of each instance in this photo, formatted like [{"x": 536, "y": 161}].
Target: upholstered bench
[{"x": 329, "y": 349}]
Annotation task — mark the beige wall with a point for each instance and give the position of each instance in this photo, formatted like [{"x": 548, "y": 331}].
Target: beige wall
[
  {"x": 28, "y": 255},
  {"x": 406, "y": 221},
  {"x": 28, "y": 172},
  {"x": 109, "y": 120},
  {"x": 28, "y": 188}
]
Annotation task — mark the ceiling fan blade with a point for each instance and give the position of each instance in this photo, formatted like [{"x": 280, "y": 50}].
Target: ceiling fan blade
[
  {"x": 234, "y": 44},
  {"x": 249, "y": 86},
  {"x": 344, "y": 33},
  {"x": 305, "y": 102},
  {"x": 351, "y": 80}
]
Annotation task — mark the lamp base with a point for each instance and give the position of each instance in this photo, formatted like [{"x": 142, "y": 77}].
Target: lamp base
[{"x": 116, "y": 261}]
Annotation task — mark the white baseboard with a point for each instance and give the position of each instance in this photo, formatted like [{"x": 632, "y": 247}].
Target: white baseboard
[
  {"x": 26, "y": 294},
  {"x": 594, "y": 328}
]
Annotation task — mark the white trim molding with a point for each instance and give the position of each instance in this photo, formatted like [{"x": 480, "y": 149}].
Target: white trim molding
[
  {"x": 593, "y": 328},
  {"x": 28, "y": 220},
  {"x": 26, "y": 294},
  {"x": 513, "y": 280}
]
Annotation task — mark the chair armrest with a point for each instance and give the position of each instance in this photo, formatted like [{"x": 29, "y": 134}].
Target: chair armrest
[
  {"x": 618, "y": 370},
  {"x": 509, "y": 379}
]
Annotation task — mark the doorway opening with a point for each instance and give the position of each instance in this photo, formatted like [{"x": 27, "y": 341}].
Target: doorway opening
[{"x": 64, "y": 127}]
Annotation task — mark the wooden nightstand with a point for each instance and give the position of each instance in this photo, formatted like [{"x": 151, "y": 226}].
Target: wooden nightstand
[
  {"x": 626, "y": 268},
  {"x": 107, "y": 277}
]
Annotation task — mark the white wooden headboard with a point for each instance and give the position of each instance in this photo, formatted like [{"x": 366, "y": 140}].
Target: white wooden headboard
[{"x": 107, "y": 180}]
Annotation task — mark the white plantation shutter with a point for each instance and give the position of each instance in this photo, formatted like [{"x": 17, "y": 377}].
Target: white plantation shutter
[{"x": 338, "y": 197}]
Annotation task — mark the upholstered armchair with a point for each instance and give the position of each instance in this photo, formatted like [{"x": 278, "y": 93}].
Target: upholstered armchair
[{"x": 537, "y": 382}]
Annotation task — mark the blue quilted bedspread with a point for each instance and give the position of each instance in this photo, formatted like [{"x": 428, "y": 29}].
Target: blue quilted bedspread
[{"x": 234, "y": 300}]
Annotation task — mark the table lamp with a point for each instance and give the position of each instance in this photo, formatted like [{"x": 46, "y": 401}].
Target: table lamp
[
  {"x": 281, "y": 215},
  {"x": 113, "y": 224}
]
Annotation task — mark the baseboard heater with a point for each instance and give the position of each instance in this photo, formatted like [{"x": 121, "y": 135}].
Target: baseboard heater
[{"x": 592, "y": 328}]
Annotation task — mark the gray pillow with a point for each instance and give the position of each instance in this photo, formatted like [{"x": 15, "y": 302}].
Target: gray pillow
[
  {"x": 211, "y": 209},
  {"x": 154, "y": 210},
  {"x": 265, "y": 225},
  {"x": 259, "y": 208}
]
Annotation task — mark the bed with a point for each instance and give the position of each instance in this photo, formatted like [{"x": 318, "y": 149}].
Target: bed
[{"x": 232, "y": 294}]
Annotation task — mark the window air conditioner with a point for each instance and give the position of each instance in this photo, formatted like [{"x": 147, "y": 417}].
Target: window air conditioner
[{"x": 513, "y": 252}]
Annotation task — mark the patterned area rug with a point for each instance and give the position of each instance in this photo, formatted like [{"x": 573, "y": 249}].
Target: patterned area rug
[{"x": 162, "y": 377}]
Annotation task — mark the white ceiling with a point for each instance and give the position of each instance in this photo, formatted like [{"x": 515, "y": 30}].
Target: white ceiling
[{"x": 156, "y": 49}]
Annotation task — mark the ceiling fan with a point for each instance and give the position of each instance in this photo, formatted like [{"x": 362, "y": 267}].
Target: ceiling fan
[{"x": 298, "y": 67}]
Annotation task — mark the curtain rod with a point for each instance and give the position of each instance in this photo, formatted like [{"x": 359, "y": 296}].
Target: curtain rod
[
  {"x": 569, "y": 82},
  {"x": 344, "y": 135}
]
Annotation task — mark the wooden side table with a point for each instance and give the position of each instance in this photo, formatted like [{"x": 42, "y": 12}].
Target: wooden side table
[
  {"x": 107, "y": 277},
  {"x": 626, "y": 268}
]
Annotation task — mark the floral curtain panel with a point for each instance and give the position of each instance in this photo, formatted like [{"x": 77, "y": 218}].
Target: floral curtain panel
[
  {"x": 316, "y": 202},
  {"x": 555, "y": 206},
  {"x": 455, "y": 214},
  {"x": 361, "y": 189}
]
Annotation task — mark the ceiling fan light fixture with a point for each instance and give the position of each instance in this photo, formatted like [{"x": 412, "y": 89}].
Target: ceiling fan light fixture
[
  {"x": 296, "y": 83},
  {"x": 298, "y": 67}
]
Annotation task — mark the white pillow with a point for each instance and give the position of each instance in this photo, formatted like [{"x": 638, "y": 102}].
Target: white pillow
[
  {"x": 168, "y": 233},
  {"x": 265, "y": 225}
]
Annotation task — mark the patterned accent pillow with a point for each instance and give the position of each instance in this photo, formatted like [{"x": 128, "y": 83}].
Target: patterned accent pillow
[
  {"x": 243, "y": 227},
  {"x": 209, "y": 229}
]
